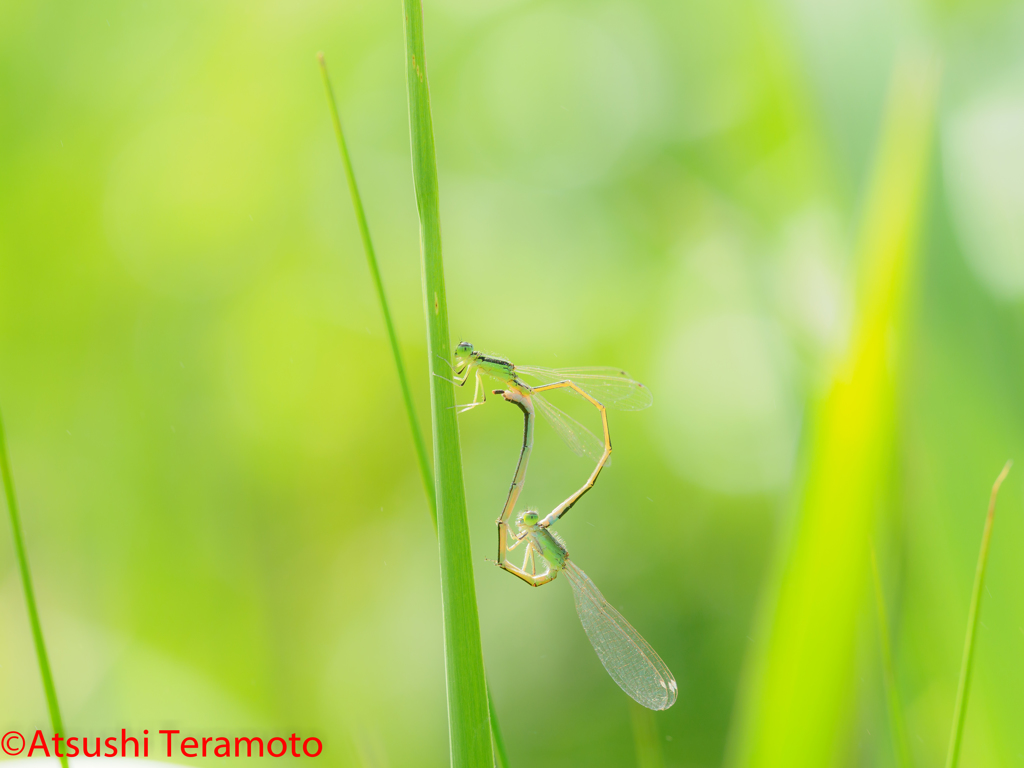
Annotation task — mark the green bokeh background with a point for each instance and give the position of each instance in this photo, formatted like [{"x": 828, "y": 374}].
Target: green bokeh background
[{"x": 226, "y": 525}]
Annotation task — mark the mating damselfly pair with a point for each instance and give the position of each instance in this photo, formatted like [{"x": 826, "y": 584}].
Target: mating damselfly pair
[{"x": 628, "y": 658}]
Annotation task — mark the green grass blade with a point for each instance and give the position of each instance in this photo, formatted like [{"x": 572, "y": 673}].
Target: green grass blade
[
  {"x": 371, "y": 259},
  {"x": 964, "y": 686},
  {"x": 468, "y": 720},
  {"x": 896, "y": 724},
  {"x": 417, "y": 434},
  {"x": 500, "y": 757},
  {"x": 645, "y": 737},
  {"x": 799, "y": 690},
  {"x": 30, "y": 598}
]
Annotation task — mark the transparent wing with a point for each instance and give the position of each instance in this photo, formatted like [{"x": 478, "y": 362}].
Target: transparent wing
[
  {"x": 613, "y": 387},
  {"x": 582, "y": 441},
  {"x": 630, "y": 661}
]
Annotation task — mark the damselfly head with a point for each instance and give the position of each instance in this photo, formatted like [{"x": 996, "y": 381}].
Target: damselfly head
[
  {"x": 463, "y": 351},
  {"x": 528, "y": 519}
]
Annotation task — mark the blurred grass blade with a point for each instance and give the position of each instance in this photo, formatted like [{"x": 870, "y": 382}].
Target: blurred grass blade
[
  {"x": 896, "y": 723},
  {"x": 963, "y": 688},
  {"x": 797, "y": 696},
  {"x": 645, "y": 737},
  {"x": 30, "y": 598},
  {"x": 500, "y": 758},
  {"x": 371, "y": 259},
  {"x": 417, "y": 434},
  {"x": 468, "y": 719}
]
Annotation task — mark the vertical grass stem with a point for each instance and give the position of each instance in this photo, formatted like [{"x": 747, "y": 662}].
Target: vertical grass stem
[
  {"x": 417, "y": 434},
  {"x": 963, "y": 688},
  {"x": 468, "y": 716},
  {"x": 30, "y": 599}
]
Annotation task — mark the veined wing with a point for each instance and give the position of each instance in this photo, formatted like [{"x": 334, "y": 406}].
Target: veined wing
[
  {"x": 629, "y": 659},
  {"x": 613, "y": 387},
  {"x": 582, "y": 441}
]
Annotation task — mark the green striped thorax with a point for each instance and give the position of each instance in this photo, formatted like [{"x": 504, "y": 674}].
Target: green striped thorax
[
  {"x": 546, "y": 542},
  {"x": 492, "y": 365}
]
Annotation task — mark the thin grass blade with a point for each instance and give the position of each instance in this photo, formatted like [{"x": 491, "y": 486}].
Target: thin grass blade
[
  {"x": 500, "y": 756},
  {"x": 30, "y": 599},
  {"x": 468, "y": 717},
  {"x": 371, "y": 259},
  {"x": 964, "y": 686},
  {"x": 892, "y": 694}
]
